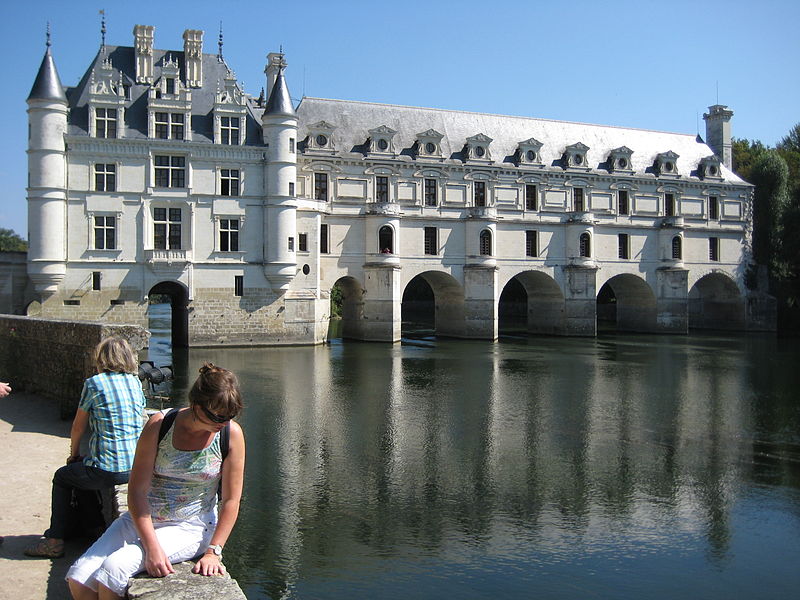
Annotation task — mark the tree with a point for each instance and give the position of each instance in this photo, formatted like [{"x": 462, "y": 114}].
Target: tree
[
  {"x": 10, "y": 241},
  {"x": 770, "y": 175},
  {"x": 745, "y": 155},
  {"x": 789, "y": 149}
]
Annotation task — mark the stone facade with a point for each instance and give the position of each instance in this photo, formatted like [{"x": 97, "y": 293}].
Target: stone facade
[{"x": 247, "y": 211}]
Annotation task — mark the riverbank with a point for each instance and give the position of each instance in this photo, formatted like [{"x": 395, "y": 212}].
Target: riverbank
[{"x": 34, "y": 443}]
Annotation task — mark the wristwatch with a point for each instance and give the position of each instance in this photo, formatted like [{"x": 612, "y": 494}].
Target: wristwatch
[{"x": 216, "y": 549}]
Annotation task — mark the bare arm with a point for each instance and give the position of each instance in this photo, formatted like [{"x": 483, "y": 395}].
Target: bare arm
[
  {"x": 156, "y": 562},
  {"x": 232, "y": 482},
  {"x": 5, "y": 389},
  {"x": 79, "y": 425}
]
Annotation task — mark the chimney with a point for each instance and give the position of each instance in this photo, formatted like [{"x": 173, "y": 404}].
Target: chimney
[
  {"x": 275, "y": 61},
  {"x": 718, "y": 132},
  {"x": 193, "y": 57},
  {"x": 143, "y": 46}
]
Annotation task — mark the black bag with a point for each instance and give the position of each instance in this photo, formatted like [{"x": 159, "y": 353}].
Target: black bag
[{"x": 85, "y": 520}]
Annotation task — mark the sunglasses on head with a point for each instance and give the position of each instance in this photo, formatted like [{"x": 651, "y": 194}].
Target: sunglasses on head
[{"x": 214, "y": 417}]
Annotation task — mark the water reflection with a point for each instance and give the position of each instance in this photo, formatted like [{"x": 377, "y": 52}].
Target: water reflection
[{"x": 626, "y": 467}]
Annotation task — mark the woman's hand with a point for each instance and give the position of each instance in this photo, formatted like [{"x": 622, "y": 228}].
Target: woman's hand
[
  {"x": 209, "y": 564},
  {"x": 157, "y": 564}
]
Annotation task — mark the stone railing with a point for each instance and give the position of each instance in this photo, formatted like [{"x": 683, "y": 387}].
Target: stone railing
[
  {"x": 184, "y": 584},
  {"x": 53, "y": 358}
]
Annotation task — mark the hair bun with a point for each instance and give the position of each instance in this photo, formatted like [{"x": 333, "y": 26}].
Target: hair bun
[{"x": 207, "y": 368}]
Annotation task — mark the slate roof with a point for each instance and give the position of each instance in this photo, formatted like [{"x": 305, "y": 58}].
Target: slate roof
[
  {"x": 123, "y": 59},
  {"x": 354, "y": 119},
  {"x": 47, "y": 85}
]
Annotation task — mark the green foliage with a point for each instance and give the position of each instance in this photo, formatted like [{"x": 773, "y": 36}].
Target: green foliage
[
  {"x": 770, "y": 175},
  {"x": 337, "y": 298},
  {"x": 11, "y": 241},
  {"x": 745, "y": 155}
]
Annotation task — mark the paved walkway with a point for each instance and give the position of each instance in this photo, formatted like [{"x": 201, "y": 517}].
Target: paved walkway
[{"x": 34, "y": 442}]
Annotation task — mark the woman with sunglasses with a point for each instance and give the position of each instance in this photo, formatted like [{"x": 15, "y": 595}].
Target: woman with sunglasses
[{"x": 172, "y": 495}]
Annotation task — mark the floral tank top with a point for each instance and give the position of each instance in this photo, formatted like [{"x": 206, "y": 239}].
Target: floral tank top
[{"x": 185, "y": 482}]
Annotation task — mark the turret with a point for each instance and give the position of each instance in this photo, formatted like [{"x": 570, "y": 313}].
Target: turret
[
  {"x": 718, "y": 132},
  {"x": 279, "y": 123},
  {"x": 47, "y": 168}
]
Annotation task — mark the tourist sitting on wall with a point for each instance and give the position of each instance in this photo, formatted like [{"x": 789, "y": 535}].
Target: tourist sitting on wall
[
  {"x": 183, "y": 458},
  {"x": 112, "y": 406}
]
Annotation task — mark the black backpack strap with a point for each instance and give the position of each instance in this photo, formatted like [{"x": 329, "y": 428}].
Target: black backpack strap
[
  {"x": 224, "y": 439},
  {"x": 166, "y": 423}
]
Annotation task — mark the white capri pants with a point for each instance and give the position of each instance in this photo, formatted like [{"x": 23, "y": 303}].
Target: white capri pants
[{"x": 118, "y": 554}]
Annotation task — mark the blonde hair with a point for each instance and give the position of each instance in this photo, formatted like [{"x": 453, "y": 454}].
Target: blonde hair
[
  {"x": 115, "y": 354},
  {"x": 217, "y": 389}
]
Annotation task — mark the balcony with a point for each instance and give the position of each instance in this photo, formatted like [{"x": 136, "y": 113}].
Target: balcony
[
  {"x": 383, "y": 208},
  {"x": 482, "y": 212},
  {"x": 382, "y": 259},
  {"x": 168, "y": 260}
]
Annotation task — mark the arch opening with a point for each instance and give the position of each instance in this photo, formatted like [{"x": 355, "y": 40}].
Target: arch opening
[
  {"x": 433, "y": 304},
  {"x": 532, "y": 302},
  {"x": 386, "y": 240},
  {"x": 627, "y": 303},
  {"x": 168, "y": 311},
  {"x": 716, "y": 303},
  {"x": 346, "y": 310}
]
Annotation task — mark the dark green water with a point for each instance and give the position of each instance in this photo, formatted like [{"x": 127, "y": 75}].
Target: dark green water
[{"x": 619, "y": 467}]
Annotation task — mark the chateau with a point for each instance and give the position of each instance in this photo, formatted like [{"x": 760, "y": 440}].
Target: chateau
[{"x": 158, "y": 174}]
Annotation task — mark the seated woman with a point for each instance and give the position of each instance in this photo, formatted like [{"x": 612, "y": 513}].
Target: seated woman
[
  {"x": 172, "y": 495},
  {"x": 112, "y": 407}
]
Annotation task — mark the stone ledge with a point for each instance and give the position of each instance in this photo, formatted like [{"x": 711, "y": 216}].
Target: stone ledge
[{"x": 184, "y": 585}]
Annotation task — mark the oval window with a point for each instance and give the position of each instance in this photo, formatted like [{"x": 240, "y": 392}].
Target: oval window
[
  {"x": 382, "y": 144},
  {"x": 668, "y": 167},
  {"x": 531, "y": 155},
  {"x": 578, "y": 159},
  {"x": 306, "y": 269},
  {"x": 430, "y": 147},
  {"x": 479, "y": 151},
  {"x": 322, "y": 140},
  {"x": 712, "y": 169},
  {"x": 622, "y": 163}
]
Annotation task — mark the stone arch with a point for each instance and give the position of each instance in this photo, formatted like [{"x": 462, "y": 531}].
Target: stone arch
[
  {"x": 628, "y": 302},
  {"x": 352, "y": 306},
  {"x": 533, "y": 297},
  {"x": 715, "y": 302},
  {"x": 443, "y": 299},
  {"x": 179, "y": 304}
]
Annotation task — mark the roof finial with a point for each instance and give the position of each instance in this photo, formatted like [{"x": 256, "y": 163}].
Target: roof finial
[
  {"x": 102, "y": 29},
  {"x": 219, "y": 43},
  {"x": 48, "y": 42}
]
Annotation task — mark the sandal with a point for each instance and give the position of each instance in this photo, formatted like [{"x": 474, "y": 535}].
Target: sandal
[{"x": 46, "y": 548}]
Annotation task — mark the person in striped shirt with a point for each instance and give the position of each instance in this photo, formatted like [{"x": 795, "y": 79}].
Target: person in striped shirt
[{"x": 112, "y": 409}]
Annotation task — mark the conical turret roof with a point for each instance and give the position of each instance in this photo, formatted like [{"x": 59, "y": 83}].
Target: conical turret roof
[
  {"x": 47, "y": 85},
  {"x": 279, "y": 103}
]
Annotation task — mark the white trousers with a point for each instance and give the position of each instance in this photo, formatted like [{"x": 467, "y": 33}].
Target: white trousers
[{"x": 118, "y": 554}]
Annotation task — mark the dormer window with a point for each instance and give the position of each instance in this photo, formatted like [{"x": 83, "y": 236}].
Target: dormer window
[
  {"x": 575, "y": 156},
  {"x": 429, "y": 144},
  {"x": 169, "y": 126},
  {"x": 229, "y": 130},
  {"x": 169, "y": 105},
  {"x": 170, "y": 86},
  {"x": 709, "y": 168},
  {"x": 320, "y": 138},
  {"x": 230, "y": 113},
  {"x": 528, "y": 152},
  {"x": 105, "y": 122},
  {"x": 667, "y": 164},
  {"x": 477, "y": 148},
  {"x": 106, "y": 102},
  {"x": 619, "y": 160},
  {"x": 380, "y": 141}
]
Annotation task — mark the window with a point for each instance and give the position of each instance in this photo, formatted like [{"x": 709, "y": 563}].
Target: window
[
  {"x": 585, "y": 245},
  {"x": 170, "y": 171},
  {"x": 302, "y": 242},
  {"x": 229, "y": 235},
  {"x": 669, "y": 205},
  {"x": 323, "y": 239},
  {"x": 291, "y": 145},
  {"x": 105, "y": 122},
  {"x": 321, "y": 186},
  {"x": 578, "y": 197},
  {"x": 291, "y": 188},
  {"x": 105, "y": 233},
  {"x": 167, "y": 228},
  {"x": 531, "y": 243},
  {"x": 531, "y": 202},
  {"x": 713, "y": 249},
  {"x": 480, "y": 193},
  {"x": 169, "y": 126},
  {"x": 229, "y": 131},
  {"x": 381, "y": 189},
  {"x": 713, "y": 207},
  {"x": 431, "y": 242},
  {"x": 622, "y": 202},
  {"x": 430, "y": 192},
  {"x": 170, "y": 88},
  {"x": 229, "y": 182},
  {"x": 623, "y": 246},
  {"x": 290, "y": 244},
  {"x": 677, "y": 248},
  {"x": 385, "y": 239},
  {"x": 485, "y": 243},
  {"x": 105, "y": 177},
  {"x": 96, "y": 281},
  {"x": 238, "y": 285}
]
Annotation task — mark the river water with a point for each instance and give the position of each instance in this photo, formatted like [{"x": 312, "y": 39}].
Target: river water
[{"x": 626, "y": 466}]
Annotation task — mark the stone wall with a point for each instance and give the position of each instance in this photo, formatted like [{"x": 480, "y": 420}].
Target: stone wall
[{"x": 53, "y": 358}]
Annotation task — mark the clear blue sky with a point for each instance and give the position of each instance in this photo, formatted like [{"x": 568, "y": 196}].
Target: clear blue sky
[{"x": 646, "y": 64}]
